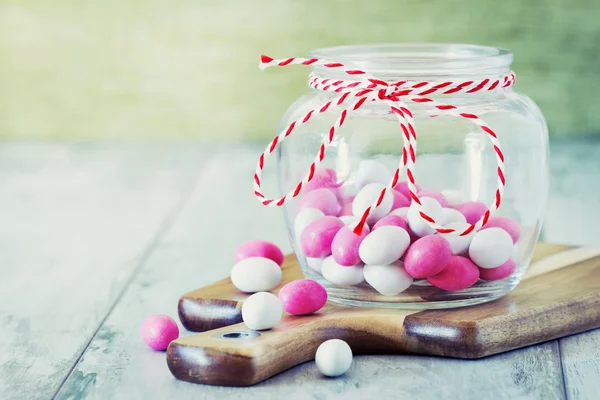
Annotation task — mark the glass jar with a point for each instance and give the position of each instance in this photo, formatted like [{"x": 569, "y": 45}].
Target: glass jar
[{"x": 459, "y": 165}]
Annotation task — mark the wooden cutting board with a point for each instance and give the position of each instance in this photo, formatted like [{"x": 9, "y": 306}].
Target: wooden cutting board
[{"x": 559, "y": 296}]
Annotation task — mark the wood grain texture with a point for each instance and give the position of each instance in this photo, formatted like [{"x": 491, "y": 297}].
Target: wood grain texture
[
  {"x": 581, "y": 365},
  {"x": 76, "y": 221}
]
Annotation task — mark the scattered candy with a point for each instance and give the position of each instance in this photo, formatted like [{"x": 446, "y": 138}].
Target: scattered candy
[
  {"x": 417, "y": 224},
  {"x": 323, "y": 178},
  {"x": 341, "y": 275},
  {"x": 315, "y": 263},
  {"x": 261, "y": 311},
  {"x": 452, "y": 215},
  {"x": 317, "y": 237},
  {"x": 454, "y": 197},
  {"x": 509, "y": 225},
  {"x": 498, "y": 273},
  {"x": 400, "y": 200},
  {"x": 384, "y": 245},
  {"x": 322, "y": 199},
  {"x": 434, "y": 195},
  {"x": 402, "y": 187},
  {"x": 427, "y": 256},
  {"x": 158, "y": 331},
  {"x": 345, "y": 246},
  {"x": 367, "y": 196},
  {"x": 333, "y": 357},
  {"x": 395, "y": 220},
  {"x": 460, "y": 273},
  {"x": 259, "y": 248},
  {"x": 472, "y": 210},
  {"x": 389, "y": 280},
  {"x": 255, "y": 274},
  {"x": 459, "y": 244},
  {"x": 370, "y": 171},
  {"x": 304, "y": 218},
  {"x": 303, "y": 296},
  {"x": 490, "y": 248}
]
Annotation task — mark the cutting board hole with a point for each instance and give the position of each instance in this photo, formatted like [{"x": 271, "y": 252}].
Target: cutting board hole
[{"x": 237, "y": 335}]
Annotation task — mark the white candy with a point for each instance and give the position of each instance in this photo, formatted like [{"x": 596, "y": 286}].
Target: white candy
[
  {"x": 349, "y": 219},
  {"x": 333, "y": 357},
  {"x": 370, "y": 171},
  {"x": 255, "y": 274},
  {"x": 459, "y": 244},
  {"x": 402, "y": 211},
  {"x": 454, "y": 197},
  {"x": 341, "y": 275},
  {"x": 315, "y": 263},
  {"x": 417, "y": 224},
  {"x": 491, "y": 248},
  {"x": 369, "y": 195},
  {"x": 384, "y": 245},
  {"x": 261, "y": 311},
  {"x": 304, "y": 218},
  {"x": 452, "y": 215},
  {"x": 389, "y": 280}
]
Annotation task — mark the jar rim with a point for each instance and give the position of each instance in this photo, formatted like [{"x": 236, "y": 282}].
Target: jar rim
[{"x": 419, "y": 59}]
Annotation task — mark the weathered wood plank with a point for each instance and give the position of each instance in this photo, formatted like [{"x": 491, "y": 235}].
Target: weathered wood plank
[
  {"x": 77, "y": 220},
  {"x": 581, "y": 365},
  {"x": 198, "y": 250}
]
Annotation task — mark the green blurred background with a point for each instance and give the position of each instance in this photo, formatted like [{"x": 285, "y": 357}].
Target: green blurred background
[{"x": 75, "y": 69}]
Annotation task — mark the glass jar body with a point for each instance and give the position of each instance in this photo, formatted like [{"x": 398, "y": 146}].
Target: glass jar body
[{"x": 454, "y": 157}]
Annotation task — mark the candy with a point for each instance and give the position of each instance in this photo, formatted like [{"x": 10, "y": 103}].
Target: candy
[
  {"x": 498, "y": 273},
  {"x": 509, "y": 225},
  {"x": 333, "y": 357},
  {"x": 341, "y": 275},
  {"x": 400, "y": 200},
  {"x": 427, "y": 256},
  {"x": 304, "y": 218},
  {"x": 459, "y": 244},
  {"x": 402, "y": 187},
  {"x": 158, "y": 331},
  {"x": 302, "y": 296},
  {"x": 460, "y": 273},
  {"x": 350, "y": 220},
  {"x": 472, "y": 210},
  {"x": 255, "y": 274},
  {"x": 389, "y": 280},
  {"x": 345, "y": 246},
  {"x": 261, "y": 311},
  {"x": 346, "y": 209},
  {"x": 367, "y": 196},
  {"x": 322, "y": 199},
  {"x": 490, "y": 247},
  {"x": 318, "y": 235},
  {"x": 434, "y": 195},
  {"x": 454, "y": 197},
  {"x": 395, "y": 220},
  {"x": 315, "y": 263},
  {"x": 402, "y": 211},
  {"x": 420, "y": 226},
  {"x": 323, "y": 178},
  {"x": 259, "y": 248},
  {"x": 452, "y": 215},
  {"x": 384, "y": 245},
  {"x": 370, "y": 171}
]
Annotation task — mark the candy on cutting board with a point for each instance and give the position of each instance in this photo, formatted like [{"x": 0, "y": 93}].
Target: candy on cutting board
[
  {"x": 302, "y": 297},
  {"x": 259, "y": 248},
  {"x": 490, "y": 247},
  {"x": 255, "y": 274},
  {"x": 460, "y": 273},
  {"x": 498, "y": 273},
  {"x": 345, "y": 245},
  {"x": 261, "y": 311},
  {"x": 316, "y": 239},
  {"x": 158, "y": 331},
  {"x": 389, "y": 280},
  {"x": 333, "y": 357},
  {"x": 427, "y": 256},
  {"x": 384, "y": 245},
  {"x": 509, "y": 225},
  {"x": 341, "y": 275},
  {"x": 315, "y": 263}
]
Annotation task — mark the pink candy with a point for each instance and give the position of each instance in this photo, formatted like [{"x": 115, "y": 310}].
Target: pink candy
[
  {"x": 402, "y": 187},
  {"x": 400, "y": 200},
  {"x": 346, "y": 210},
  {"x": 498, "y": 273},
  {"x": 396, "y": 220},
  {"x": 427, "y": 256},
  {"x": 460, "y": 273},
  {"x": 434, "y": 195},
  {"x": 509, "y": 225},
  {"x": 472, "y": 210},
  {"x": 344, "y": 247},
  {"x": 317, "y": 237},
  {"x": 321, "y": 199},
  {"x": 303, "y": 296},
  {"x": 158, "y": 331},
  {"x": 258, "y": 248}
]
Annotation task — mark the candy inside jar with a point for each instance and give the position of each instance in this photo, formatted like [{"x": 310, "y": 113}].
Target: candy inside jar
[{"x": 413, "y": 176}]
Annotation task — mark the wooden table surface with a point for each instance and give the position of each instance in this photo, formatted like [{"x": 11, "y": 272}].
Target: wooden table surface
[{"x": 94, "y": 237}]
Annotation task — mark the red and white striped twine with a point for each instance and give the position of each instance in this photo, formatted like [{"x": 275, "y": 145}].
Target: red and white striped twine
[{"x": 355, "y": 93}]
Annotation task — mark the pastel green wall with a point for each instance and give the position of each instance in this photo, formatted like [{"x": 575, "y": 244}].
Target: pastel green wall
[{"x": 188, "y": 68}]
